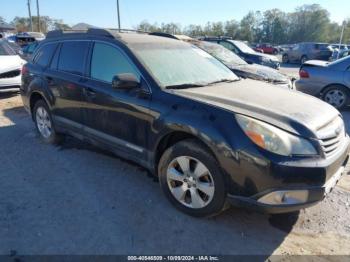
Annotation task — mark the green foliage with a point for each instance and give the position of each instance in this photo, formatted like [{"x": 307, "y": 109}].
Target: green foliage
[{"x": 305, "y": 23}]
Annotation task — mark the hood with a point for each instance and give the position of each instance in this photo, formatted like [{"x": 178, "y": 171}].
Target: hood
[
  {"x": 262, "y": 73},
  {"x": 292, "y": 111},
  {"x": 317, "y": 63},
  {"x": 10, "y": 62}
]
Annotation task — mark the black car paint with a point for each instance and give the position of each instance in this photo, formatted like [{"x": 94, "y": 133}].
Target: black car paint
[{"x": 136, "y": 124}]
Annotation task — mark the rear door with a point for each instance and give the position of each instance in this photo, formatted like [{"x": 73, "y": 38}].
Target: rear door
[
  {"x": 66, "y": 77},
  {"x": 117, "y": 118}
]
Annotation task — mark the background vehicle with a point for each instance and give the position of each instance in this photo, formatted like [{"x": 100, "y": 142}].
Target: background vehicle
[
  {"x": 329, "y": 81},
  {"x": 10, "y": 66},
  {"x": 178, "y": 111},
  {"x": 267, "y": 49},
  {"x": 302, "y": 52},
  {"x": 339, "y": 54},
  {"x": 245, "y": 52}
]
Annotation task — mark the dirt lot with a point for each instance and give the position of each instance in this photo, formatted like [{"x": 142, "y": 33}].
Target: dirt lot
[{"x": 76, "y": 199}]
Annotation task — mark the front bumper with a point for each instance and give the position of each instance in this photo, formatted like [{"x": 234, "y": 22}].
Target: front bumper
[{"x": 292, "y": 197}]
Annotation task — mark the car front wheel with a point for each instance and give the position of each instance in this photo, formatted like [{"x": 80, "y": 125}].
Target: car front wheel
[
  {"x": 285, "y": 59},
  {"x": 191, "y": 179},
  {"x": 44, "y": 124}
]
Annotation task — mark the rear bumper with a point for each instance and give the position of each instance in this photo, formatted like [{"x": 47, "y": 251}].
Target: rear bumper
[{"x": 308, "y": 87}]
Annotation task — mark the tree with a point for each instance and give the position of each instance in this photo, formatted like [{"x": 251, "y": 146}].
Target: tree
[
  {"x": 248, "y": 27},
  {"x": 58, "y": 24},
  {"x": 231, "y": 28}
]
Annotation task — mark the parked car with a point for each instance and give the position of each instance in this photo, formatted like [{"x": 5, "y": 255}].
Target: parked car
[
  {"x": 178, "y": 111},
  {"x": 329, "y": 81},
  {"x": 10, "y": 66},
  {"x": 302, "y": 52},
  {"x": 339, "y": 54},
  {"x": 28, "y": 50},
  {"x": 245, "y": 52},
  {"x": 267, "y": 48}
]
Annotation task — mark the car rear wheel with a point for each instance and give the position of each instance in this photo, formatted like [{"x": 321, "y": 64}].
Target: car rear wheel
[
  {"x": 303, "y": 59},
  {"x": 44, "y": 124},
  {"x": 337, "y": 96},
  {"x": 285, "y": 59},
  {"x": 191, "y": 179}
]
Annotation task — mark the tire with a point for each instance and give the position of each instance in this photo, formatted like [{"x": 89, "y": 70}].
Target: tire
[
  {"x": 173, "y": 180},
  {"x": 44, "y": 123},
  {"x": 275, "y": 52},
  {"x": 337, "y": 96},
  {"x": 285, "y": 59},
  {"x": 303, "y": 59}
]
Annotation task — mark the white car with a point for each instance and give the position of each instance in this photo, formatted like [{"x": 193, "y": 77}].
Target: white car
[{"x": 10, "y": 66}]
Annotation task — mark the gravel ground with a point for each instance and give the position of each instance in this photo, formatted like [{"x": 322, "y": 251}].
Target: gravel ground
[{"x": 77, "y": 199}]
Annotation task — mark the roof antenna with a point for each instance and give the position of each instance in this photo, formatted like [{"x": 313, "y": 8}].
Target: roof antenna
[{"x": 118, "y": 15}]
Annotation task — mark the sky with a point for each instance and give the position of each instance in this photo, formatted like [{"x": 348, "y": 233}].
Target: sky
[{"x": 103, "y": 13}]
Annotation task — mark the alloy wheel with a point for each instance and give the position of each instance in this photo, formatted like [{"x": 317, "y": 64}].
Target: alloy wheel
[
  {"x": 43, "y": 122},
  {"x": 335, "y": 97},
  {"x": 190, "y": 182}
]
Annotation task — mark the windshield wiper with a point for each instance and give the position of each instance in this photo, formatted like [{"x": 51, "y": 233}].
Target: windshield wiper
[
  {"x": 183, "y": 86},
  {"x": 224, "y": 81}
]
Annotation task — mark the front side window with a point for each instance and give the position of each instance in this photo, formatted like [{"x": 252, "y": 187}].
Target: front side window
[
  {"x": 44, "y": 54},
  {"x": 107, "y": 61},
  {"x": 73, "y": 56},
  {"x": 181, "y": 64},
  {"x": 243, "y": 47}
]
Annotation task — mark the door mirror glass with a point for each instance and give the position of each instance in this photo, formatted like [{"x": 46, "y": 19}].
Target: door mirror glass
[{"x": 125, "y": 81}]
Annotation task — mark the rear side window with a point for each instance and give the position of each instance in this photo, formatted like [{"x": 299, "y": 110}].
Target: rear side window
[
  {"x": 107, "y": 61},
  {"x": 72, "y": 57},
  {"x": 43, "y": 56}
]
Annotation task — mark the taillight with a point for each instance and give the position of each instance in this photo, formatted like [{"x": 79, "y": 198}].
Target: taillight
[
  {"x": 24, "y": 70},
  {"x": 303, "y": 73}
]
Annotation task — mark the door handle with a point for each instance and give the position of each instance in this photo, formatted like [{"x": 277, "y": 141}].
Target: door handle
[
  {"x": 90, "y": 92},
  {"x": 49, "y": 79}
]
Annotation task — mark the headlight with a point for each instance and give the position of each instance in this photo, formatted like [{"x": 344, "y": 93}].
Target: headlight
[{"x": 274, "y": 139}]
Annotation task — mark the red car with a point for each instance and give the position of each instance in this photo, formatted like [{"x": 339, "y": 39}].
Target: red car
[{"x": 267, "y": 49}]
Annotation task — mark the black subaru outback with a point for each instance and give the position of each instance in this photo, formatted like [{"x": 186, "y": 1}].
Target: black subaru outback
[{"x": 210, "y": 137}]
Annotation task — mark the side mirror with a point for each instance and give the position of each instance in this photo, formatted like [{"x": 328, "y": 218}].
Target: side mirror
[{"x": 125, "y": 81}]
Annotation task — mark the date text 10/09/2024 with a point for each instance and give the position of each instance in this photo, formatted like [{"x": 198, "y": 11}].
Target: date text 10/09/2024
[{"x": 173, "y": 258}]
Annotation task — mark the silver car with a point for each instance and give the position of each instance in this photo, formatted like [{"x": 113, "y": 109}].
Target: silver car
[{"x": 329, "y": 81}]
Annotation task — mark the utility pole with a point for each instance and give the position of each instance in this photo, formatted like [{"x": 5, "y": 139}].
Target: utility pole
[
  {"x": 341, "y": 39},
  {"x": 30, "y": 16},
  {"x": 118, "y": 15},
  {"x": 38, "y": 14}
]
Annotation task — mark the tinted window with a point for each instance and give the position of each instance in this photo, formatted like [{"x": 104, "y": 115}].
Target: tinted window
[
  {"x": 72, "y": 57},
  {"x": 107, "y": 61},
  {"x": 44, "y": 54}
]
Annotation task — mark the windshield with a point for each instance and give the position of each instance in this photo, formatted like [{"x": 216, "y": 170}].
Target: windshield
[
  {"x": 182, "y": 64},
  {"x": 221, "y": 53},
  {"x": 243, "y": 47}
]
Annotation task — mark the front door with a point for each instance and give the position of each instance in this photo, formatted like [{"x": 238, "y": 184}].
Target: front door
[{"x": 118, "y": 118}]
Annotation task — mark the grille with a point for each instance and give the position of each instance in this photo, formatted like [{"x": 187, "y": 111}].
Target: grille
[
  {"x": 10, "y": 74},
  {"x": 331, "y": 136}
]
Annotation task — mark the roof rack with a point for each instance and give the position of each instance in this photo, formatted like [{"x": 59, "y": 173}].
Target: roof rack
[{"x": 90, "y": 31}]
